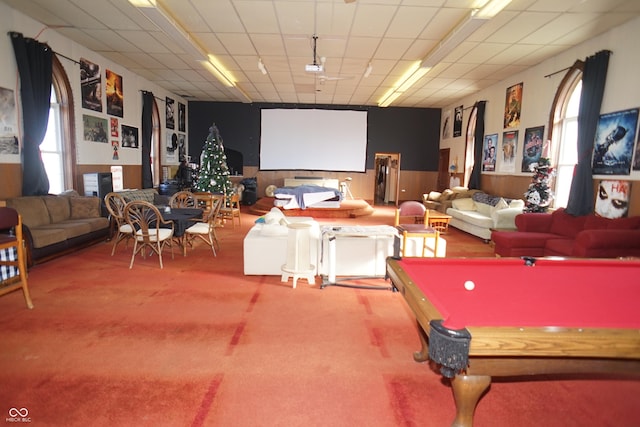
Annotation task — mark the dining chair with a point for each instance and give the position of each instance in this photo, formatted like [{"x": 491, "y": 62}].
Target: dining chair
[
  {"x": 231, "y": 210},
  {"x": 412, "y": 221},
  {"x": 206, "y": 229},
  {"x": 150, "y": 229},
  {"x": 115, "y": 206},
  {"x": 13, "y": 263},
  {"x": 183, "y": 199},
  {"x": 204, "y": 201}
]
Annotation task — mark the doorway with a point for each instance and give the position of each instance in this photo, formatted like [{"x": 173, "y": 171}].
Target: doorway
[
  {"x": 443, "y": 169},
  {"x": 386, "y": 179}
]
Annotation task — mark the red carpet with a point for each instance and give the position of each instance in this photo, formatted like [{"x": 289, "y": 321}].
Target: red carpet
[{"x": 199, "y": 344}]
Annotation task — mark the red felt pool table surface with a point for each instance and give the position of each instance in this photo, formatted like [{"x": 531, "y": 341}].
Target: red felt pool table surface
[{"x": 574, "y": 293}]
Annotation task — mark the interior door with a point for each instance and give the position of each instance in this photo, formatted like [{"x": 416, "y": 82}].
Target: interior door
[
  {"x": 443, "y": 169},
  {"x": 387, "y": 178}
]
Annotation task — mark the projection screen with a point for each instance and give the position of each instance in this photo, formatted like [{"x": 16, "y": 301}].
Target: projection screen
[{"x": 313, "y": 139}]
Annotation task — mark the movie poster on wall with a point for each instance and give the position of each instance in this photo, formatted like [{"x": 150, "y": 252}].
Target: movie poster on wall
[
  {"x": 95, "y": 128},
  {"x": 613, "y": 146},
  {"x": 489, "y": 153},
  {"x": 172, "y": 147},
  {"x": 115, "y": 97},
  {"x": 509, "y": 144},
  {"x": 170, "y": 105},
  {"x": 8, "y": 125},
  {"x": 90, "y": 85},
  {"x": 532, "y": 148},
  {"x": 129, "y": 136},
  {"x": 446, "y": 124},
  {"x": 457, "y": 121},
  {"x": 513, "y": 106},
  {"x": 182, "y": 117},
  {"x": 612, "y": 198}
]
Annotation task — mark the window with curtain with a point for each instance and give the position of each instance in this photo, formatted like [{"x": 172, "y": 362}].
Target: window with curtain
[
  {"x": 564, "y": 134},
  {"x": 52, "y": 149},
  {"x": 469, "y": 159}
]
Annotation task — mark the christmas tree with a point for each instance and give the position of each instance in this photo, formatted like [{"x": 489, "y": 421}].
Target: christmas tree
[
  {"x": 213, "y": 176},
  {"x": 538, "y": 196}
]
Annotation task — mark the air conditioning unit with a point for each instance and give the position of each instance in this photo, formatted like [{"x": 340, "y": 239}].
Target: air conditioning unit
[{"x": 313, "y": 68}]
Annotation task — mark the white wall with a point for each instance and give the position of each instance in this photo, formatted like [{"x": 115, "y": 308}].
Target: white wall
[
  {"x": 88, "y": 152},
  {"x": 622, "y": 90}
]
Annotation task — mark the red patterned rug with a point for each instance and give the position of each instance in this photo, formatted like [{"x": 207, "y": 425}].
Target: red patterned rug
[{"x": 347, "y": 209}]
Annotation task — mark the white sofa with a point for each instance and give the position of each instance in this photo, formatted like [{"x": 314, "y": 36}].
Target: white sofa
[{"x": 481, "y": 213}]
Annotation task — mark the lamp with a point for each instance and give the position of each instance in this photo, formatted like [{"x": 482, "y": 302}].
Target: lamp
[{"x": 472, "y": 21}]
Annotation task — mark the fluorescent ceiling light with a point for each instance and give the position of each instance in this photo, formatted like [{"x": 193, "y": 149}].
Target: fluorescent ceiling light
[
  {"x": 368, "y": 71},
  {"x": 492, "y": 8},
  {"x": 261, "y": 66},
  {"x": 143, "y": 3},
  {"x": 218, "y": 71}
]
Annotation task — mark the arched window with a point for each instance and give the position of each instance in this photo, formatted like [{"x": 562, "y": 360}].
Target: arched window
[
  {"x": 563, "y": 133},
  {"x": 58, "y": 147},
  {"x": 469, "y": 158}
]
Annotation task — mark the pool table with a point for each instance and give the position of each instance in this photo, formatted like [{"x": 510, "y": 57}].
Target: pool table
[{"x": 521, "y": 317}]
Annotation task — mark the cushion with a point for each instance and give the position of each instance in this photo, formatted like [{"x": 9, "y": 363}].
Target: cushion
[
  {"x": 58, "y": 208},
  {"x": 33, "y": 210},
  {"x": 273, "y": 216},
  {"x": 447, "y": 195},
  {"x": 502, "y": 204},
  {"x": 595, "y": 222},
  {"x": 466, "y": 204},
  {"x": 484, "y": 208},
  {"x": 516, "y": 203},
  {"x": 631, "y": 222},
  {"x": 434, "y": 196},
  {"x": 84, "y": 207},
  {"x": 566, "y": 225},
  {"x": 160, "y": 199}
]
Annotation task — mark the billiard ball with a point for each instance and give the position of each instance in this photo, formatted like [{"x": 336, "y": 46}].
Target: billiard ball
[{"x": 469, "y": 285}]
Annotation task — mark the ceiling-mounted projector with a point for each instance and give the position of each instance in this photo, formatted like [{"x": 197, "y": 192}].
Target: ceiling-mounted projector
[{"x": 313, "y": 68}]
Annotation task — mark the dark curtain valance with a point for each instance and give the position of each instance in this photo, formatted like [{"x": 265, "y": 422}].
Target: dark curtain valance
[{"x": 35, "y": 67}]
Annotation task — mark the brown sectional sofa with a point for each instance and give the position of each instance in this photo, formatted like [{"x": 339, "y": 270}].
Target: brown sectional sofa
[
  {"x": 54, "y": 225},
  {"x": 561, "y": 234}
]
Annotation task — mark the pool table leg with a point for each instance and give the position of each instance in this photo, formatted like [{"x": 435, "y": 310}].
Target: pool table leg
[
  {"x": 423, "y": 354},
  {"x": 467, "y": 390}
]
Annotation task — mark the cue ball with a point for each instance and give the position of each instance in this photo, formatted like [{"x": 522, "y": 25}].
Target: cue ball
[{"x": 469, "y": 285}]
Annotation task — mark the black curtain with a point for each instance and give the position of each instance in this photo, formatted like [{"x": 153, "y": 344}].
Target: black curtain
[
  {"x": 478, "y": 135},
  {"x": 35, "y": 68},
  {"x": 593, "y": 80},
  {"x": 147, "y": 130}
]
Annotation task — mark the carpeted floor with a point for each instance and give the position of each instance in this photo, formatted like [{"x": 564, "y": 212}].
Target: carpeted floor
[{"x": 200, "y": 344}]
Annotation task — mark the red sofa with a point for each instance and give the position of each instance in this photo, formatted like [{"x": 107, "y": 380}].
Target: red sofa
[{"x": 561, "y": 234}]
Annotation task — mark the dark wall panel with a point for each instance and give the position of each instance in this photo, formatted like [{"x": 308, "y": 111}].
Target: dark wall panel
[{"x": 413, "y": 132}]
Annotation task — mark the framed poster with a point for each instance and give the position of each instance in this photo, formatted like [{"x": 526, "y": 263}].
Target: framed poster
[
  {"x": 90, "y": 85},
  {"x": 8, "y": 125},
  {"x": 446, "y": 124},
  {"x": 532, "y": 148},
  {"x": 513, "y": 106},
  {"x": 170, "y": 105},
  {"x": 489, "y": 152},
  {"x": 129, "y": 137},
  {"x": 95, "y": 128},
  {"x": 613, "y": 146},
  {"x": 612, "y": 199},
  {"x": 182, "y": 117},
  {"x": 115, "y": 97},
  {"x": 457, "y": 121},
  {"x": 509, "y": 144}
]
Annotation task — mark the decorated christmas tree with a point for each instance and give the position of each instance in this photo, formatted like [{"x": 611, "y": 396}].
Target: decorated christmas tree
[
  {"x": 538, "y": 196},
  {"x": 213, "y": 176}
]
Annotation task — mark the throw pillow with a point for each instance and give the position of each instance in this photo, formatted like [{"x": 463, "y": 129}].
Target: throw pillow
[
  {"x": 434, "y": 196},
  {"x": 502, "y": 204},
  {"x": 58, "y": 208},
  {"x": 516, "y": 203},
  {"x": 84, "y": 207},
  {"x": 447, "y": 195},
  {"x": 466, "y": 204},
  {"x": 273, "y": 216}
]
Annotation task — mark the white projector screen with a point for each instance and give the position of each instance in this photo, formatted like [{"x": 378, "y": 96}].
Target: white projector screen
[{"x": 327, "y": 140}]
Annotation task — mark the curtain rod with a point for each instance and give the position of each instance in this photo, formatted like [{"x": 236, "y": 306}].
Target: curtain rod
[{"x": 146, "y": 91}]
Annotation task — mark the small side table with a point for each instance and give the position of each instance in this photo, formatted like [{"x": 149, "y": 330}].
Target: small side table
[
  {"x": 437, "y": 220},
  {"x": 418, "y": 230},
  {"x": 298, "y": 263}
]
